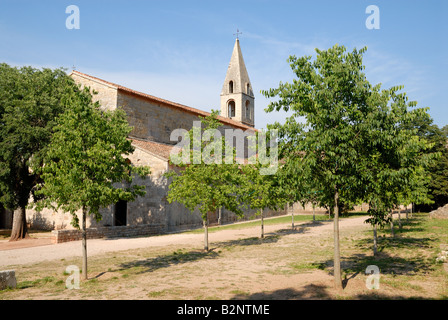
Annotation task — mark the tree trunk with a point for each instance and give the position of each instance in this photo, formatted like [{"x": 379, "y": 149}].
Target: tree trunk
[
  {"x": 399, "y": 218},
  {"x": 19, "y": 227},
  {"x": 392, "y": 223},
  {"x": 375, "y": 241},
  {"x": 262, "y": 224},
  {"x": 219, "y": 216},
  {"x": 206, "y": 234},
  {"x": 314, "y": 216},
  {"x": 337, "y": 257},
  {"x": 292, "y": 220},
  {"x": 84, "y": 244}
]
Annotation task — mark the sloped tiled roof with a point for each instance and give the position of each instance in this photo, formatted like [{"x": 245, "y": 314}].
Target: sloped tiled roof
[
  {"x": 159, "y": 149},
  {"x": 171, "y": 104},
  {"x": 162, "y": 150}
]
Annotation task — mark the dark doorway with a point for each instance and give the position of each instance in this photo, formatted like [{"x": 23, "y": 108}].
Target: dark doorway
[
  {"x": 121, "y": 209},
  {"x": 2, "y": 217}
]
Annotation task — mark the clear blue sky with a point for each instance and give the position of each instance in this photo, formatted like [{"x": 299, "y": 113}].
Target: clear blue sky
[{"x": 180, "y": 50}]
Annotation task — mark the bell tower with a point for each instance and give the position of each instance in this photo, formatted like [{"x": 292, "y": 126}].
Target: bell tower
[{"x": 237, "y": 96}]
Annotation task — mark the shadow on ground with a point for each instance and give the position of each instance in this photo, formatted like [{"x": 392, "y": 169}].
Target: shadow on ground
[
  {"x": 317, "y": 292},
  {"x": 179, "y": 257},
  {"x": 165, "y": 261},
  {"x": 300, "y": 228}
]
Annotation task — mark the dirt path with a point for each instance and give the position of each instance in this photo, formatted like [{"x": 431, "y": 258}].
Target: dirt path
[{"x": 41, "y": 250}]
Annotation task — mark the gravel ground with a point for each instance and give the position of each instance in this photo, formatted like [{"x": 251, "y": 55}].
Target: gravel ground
[{"x": 34, "y": 254}]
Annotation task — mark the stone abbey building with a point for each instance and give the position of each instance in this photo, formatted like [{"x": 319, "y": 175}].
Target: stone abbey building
[{"x": 153, "y": 120}]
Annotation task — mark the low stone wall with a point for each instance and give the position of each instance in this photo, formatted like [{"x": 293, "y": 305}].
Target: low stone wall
[{"x": 59, "y": 236}]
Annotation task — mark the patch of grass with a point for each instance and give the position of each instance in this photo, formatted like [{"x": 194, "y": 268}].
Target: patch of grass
[
  {"x": 306, "y": 266},
  {"x": 156, "y": 294},
  {"x": 257, "y": 222},
  {"x": 240, "y": 292}
]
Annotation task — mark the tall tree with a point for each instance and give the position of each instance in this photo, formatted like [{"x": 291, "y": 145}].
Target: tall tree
[
  {"x": 205, "y": 181},
  {"x": 329, "y": 101},
  {"x": 30, "y": 101},
  {"x": 394, "y": 171},
  {"x": 85, "y": 167}
]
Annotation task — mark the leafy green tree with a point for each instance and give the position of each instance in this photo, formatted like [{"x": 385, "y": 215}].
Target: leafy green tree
[
  {"x": 340, "y": 131},
  {"x": 437, "y": 172},
  {"x": 85, "y": 167},
  {"x": 30, "y": 101},
  {"x": 205, "y": 181},
  {"x": 331, "y": 94},
  {"x": 444, "y": 131},
  {"x": 394, "y": 171},
  {"x": 262, "y": 191},
  {"x": 438, "y": 186}
]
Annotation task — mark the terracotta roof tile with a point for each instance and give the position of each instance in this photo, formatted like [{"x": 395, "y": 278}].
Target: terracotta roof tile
[{"x": 156, "y": 148}]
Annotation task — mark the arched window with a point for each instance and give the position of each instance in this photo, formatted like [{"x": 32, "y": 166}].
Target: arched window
[
  {"x": 231, "y": 106},
  {"x": 230, "y": 86},
  {"x": 248, "y": 88},
  {"x": 248, "y": 109}
]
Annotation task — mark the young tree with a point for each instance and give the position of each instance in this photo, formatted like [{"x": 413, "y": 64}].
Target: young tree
[
  {"x": 262, "y": 191},
  {"x": 30, "y": 101},
  {"x": 205, "y": 182},
  {"x": 394, "y": 172},
  {"x": 332, "y": 94},
  {"x": 85, "y": 167}
]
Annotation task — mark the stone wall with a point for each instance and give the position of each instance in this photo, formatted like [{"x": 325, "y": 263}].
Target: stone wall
[
  {"x": 106, "y": 94},
  {"x": 49, "y": 219},
  {"x": 5, "y": 218},
  {"x": 60, "y": 236},
  {"x": 156, "y": 121},
  {"x": 152, "y": 120}
]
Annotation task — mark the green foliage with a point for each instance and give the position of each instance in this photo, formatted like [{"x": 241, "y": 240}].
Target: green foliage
[
  {"x": 30, "y": 101},
  {"x": 85, "y": 164},
  {"x": 437, "y": 172},
  {"x": 394, "y": 172},
  {"x": 207, "y": 182},
  {"x": 346, "y": 141},
  {"x": 347, "y": 136},
  {"x": 262, "y": 190},
  {"x": 320, "y": 154}
]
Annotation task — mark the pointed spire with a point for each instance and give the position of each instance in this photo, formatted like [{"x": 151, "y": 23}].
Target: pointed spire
[
  {"x": 237, "y": 96},
  {"x": 237, "y": 73}
]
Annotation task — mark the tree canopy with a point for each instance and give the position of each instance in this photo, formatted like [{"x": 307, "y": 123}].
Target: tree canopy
[
  {"x": 206, "y": 182},
  {"x": 30, "y": 102},
  {"x": 85, "y": 165},
  {"x": 344, "y": 141}
]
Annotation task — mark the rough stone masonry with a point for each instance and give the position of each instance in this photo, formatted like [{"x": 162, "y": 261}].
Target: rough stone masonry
[{"x": 8, "y": 279}]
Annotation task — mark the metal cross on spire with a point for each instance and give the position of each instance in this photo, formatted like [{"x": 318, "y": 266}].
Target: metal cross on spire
[{"x": 237, "y": 33}]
